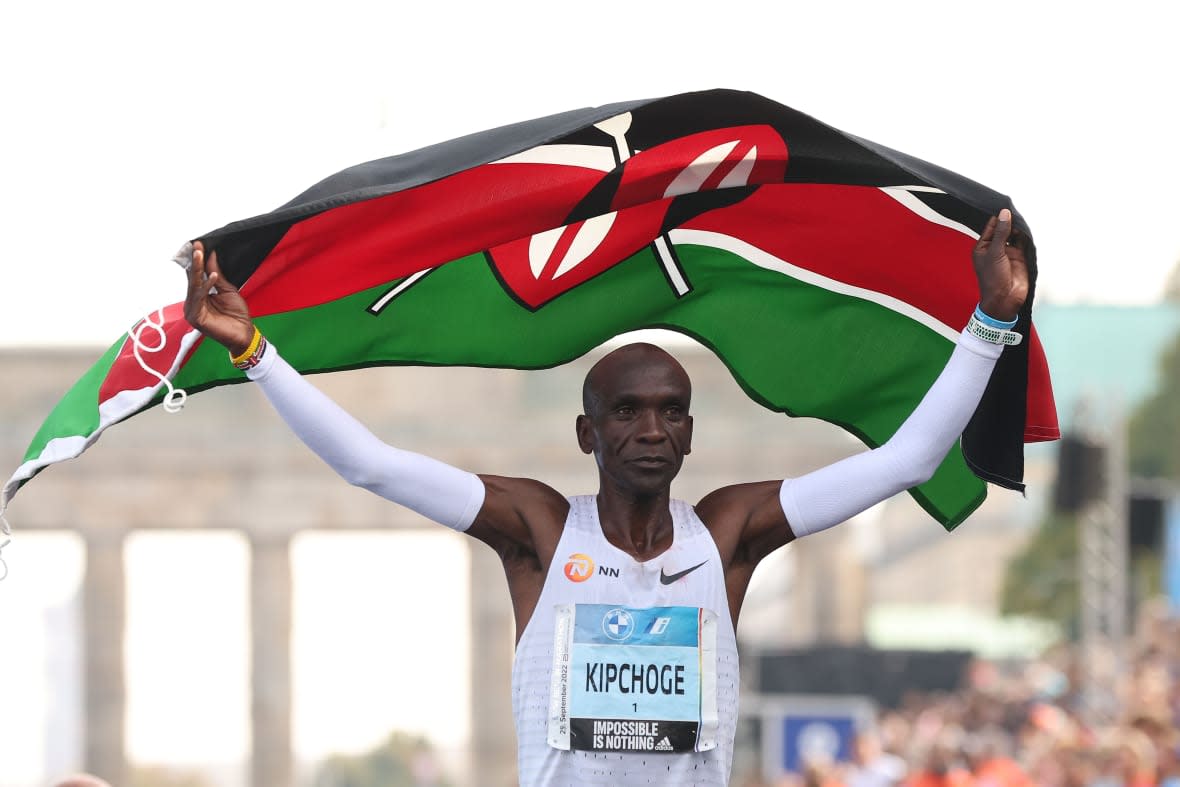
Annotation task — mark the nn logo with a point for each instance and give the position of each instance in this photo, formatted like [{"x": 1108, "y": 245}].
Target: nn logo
[{"x": 579, "y": 567}]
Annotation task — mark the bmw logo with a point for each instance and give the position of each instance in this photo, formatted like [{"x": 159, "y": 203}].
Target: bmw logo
[{"x": 618, "y": 624}]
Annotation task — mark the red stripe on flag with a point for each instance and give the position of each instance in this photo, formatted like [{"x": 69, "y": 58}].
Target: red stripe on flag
[
  {"x": 126, "y": 373},
  {"x": 861, "y": 236},
  {"x": 1041, "y": 419},
  {"x": 362, "y": 245}
]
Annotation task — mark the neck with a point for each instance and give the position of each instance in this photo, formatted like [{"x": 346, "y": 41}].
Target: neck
[{"x": 640, "y": 525}]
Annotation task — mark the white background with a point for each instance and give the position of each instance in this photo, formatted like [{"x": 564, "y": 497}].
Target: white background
[{"x": 131, "y": 127}]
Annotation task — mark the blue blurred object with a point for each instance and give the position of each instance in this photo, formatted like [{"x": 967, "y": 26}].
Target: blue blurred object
[
  {"x": 1171, "y": 570},
  {"x": 799, "y": 729}
]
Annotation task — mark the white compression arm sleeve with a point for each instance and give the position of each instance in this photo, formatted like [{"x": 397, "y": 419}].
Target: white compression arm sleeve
[
  {"x": 843, "y": 489},
  {"x": 436, "y": 490}
]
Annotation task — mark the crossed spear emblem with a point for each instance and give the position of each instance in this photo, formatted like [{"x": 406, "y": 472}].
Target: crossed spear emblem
[{"x": 553, "y": 253}]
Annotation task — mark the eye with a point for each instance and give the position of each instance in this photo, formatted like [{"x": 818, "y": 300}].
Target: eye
[
  {"x": 625, "y": 410},
  {"x": 674, "y": 413}
]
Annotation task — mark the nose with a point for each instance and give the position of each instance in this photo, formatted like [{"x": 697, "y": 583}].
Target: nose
[{"x": 650, "y": 428}]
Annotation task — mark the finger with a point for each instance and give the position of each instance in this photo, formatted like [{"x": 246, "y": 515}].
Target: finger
[
  {"x": 1019, "y": 261},
  {"x": 196, "y": 271},
  {"x": 986, "y": 236},
  {"x": 1003, "y": 231},
  {"x": 212, "y": 286},
  {"x": 1018, "y": 240},
  {"x": 223, "y": 284}
]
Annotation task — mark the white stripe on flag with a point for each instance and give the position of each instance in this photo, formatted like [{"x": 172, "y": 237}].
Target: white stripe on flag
[
  {"x": 770, "y": 262},
  {"x": 120, "y": 406},
  {"x": 904, "y": 195}
]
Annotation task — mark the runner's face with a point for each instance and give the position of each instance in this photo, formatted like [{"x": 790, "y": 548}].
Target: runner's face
[{"x": 639, "y": 429}]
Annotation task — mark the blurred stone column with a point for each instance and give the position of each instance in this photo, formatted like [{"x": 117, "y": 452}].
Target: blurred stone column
[
  {"x": 860, "y": 545},
  {"x": 802, "y": 627},
  {"x": 270, "y": 667},
  {"x": 493, "y": 738},
  {"x": 849, "y": 584},
  {"x": 104, "y": 625},
  {"x": 829, "y": 592},
  {"x": 1103, "y": 567}
]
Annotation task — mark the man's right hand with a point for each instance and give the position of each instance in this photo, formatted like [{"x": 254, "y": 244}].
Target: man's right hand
[{"x": 222, "y": 315}]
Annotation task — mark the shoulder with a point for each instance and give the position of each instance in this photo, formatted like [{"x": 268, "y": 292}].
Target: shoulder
[
  {"x": 733, "y": 506},
  {"x": 524, "y": 489},
  {"x": 522, "y": 509},
  {"x": 746, "y": 520}
]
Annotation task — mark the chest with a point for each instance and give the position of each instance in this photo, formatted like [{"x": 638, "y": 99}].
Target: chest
[{"x": 586, "y": 569}]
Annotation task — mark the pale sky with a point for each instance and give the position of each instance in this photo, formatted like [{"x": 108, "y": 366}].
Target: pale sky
[{"x": 129, "y": 127}]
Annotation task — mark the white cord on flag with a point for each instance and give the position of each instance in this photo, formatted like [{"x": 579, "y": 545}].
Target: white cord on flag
[
  {"x": 176, "y": 397},
  {"x": 6, "y": 530}
]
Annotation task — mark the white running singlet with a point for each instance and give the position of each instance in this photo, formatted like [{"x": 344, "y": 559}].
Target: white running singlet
[{"x": 629, "y": 670}]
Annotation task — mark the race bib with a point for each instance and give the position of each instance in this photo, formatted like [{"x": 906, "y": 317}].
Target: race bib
[{"x": 633, "y": 680}]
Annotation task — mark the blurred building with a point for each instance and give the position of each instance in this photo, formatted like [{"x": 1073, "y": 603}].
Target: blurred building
[
  {"x": 893, "y": 577},
  {"x": 63, "y": 674},
  {"x": 1104, "y": 351},
  {"x": 228, "y": 463}
]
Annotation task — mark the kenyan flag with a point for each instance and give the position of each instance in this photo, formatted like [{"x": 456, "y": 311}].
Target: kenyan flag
[{"x": 832, "y": 275}]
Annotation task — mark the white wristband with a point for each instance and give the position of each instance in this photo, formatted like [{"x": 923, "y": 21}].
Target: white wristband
[{"x": 993, "y": 335}]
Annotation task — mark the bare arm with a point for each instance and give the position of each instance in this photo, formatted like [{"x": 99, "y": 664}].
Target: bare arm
[{"x": 752, "y": 520}]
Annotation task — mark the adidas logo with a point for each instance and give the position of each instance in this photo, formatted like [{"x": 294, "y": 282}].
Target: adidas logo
[{"x": 664, "y": 745}]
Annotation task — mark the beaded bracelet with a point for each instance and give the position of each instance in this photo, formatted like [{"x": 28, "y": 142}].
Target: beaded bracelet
[{"x": 253, "y": 353}]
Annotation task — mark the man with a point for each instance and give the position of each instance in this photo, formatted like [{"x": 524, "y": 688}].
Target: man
[
  {"x": 83, "y": 780},
  {"x": 630, "y": 679},
  {"x": 872, "y": 765}
]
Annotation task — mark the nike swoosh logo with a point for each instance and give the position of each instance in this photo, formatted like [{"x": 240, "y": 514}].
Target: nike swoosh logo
[{"x": 668, "y": 579}]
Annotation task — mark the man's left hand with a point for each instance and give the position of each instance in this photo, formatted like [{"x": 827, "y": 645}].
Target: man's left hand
[{"x": 1001, "y": 268}]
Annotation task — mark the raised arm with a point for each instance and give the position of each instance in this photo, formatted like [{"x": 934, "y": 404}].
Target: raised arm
[
  {"x": 755, "y": 519},
  {"x": 445, "y": 494}
]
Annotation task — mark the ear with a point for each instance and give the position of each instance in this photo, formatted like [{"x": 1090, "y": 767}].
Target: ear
[
  {"x": 585, "y": 429},
  {"x": 688, "y": 437}
]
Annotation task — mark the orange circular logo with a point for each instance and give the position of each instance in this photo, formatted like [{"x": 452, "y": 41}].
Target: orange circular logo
[{"x": 579, "y": 567}]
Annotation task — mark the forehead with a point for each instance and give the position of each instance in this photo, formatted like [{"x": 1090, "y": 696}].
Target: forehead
[{"x": 640, "y": 372}]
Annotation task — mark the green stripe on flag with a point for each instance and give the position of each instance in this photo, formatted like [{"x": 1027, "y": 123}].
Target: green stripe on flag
[
  {"x": 843, "y": 359},
  {"x": 76, "y": 414}
]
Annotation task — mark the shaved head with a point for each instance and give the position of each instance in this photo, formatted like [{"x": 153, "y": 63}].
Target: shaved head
[
  {"x": 636, "y": 421},
  {"x": 83, "y": 780},
  {"x": 605, "y": 374}
]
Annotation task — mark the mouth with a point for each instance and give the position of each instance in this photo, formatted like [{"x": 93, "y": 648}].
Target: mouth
[{"x": 651, "y": 461}]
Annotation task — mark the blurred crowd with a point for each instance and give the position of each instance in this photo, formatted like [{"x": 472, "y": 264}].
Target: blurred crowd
[{"x": 1033, "y": 723}]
